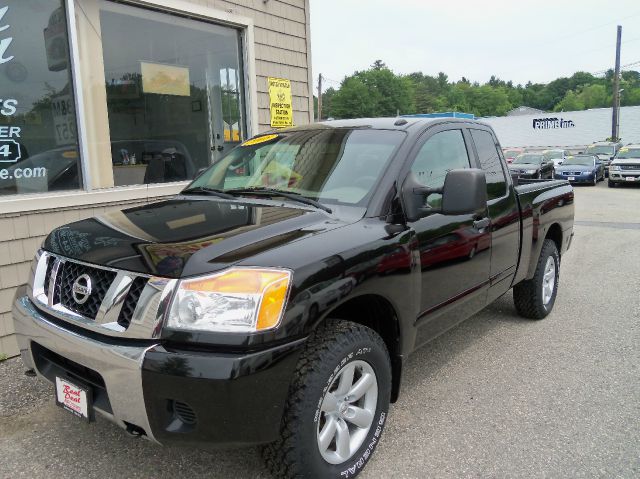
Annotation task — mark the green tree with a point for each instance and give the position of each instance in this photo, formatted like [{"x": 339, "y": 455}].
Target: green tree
[{"x": 570, "y": 102}]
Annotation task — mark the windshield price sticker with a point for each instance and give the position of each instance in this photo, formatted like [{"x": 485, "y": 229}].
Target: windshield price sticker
[{"x": 260, "y": 139}]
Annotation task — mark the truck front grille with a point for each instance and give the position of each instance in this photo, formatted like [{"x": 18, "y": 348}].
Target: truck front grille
[
  {"x": 630, "y": 167},
  {"x": 131, "y": 301},
  {"x": 47, "y": 275},
  {"x": 120, "y": 303},
  {"x": 101, "y": 280}
]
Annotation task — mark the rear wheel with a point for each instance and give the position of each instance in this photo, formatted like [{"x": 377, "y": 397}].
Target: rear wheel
[
  {"x": 337, "y": 407},
  {"x": 534, "y": 298}
]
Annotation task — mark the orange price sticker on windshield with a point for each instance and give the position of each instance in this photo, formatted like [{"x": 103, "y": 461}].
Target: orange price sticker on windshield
[{"x": 259, "y": 139}]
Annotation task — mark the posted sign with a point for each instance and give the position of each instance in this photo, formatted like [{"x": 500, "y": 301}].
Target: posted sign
[{"x": 280, "y": 102}]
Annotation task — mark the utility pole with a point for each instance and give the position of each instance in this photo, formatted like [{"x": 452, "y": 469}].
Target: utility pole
[
  {"x": 319, "y": 97},
  {"x": 616, "y": 90}
]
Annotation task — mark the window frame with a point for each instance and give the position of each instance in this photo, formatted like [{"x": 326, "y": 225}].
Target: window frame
[
  {"x": 507, "y": 177},
  {"x": 90, "y": 170}
]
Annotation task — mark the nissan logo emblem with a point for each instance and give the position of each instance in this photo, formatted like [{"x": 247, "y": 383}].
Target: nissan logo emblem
[{"x": 81, "y": 289}]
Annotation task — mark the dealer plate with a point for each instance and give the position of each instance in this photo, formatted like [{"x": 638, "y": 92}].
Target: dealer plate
[
  {"x": 630, "y": 178},
  {"x": 572, "y": 178},
  {"x": 74, "y": 398}
]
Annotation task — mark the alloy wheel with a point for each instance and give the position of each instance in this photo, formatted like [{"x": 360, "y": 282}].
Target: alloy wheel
[
  {"x": 548, "y": 280},
  {"x": 347, "y": 411}
]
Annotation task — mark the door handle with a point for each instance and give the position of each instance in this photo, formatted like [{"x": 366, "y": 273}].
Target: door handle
[{"x": 481, "y": 224}]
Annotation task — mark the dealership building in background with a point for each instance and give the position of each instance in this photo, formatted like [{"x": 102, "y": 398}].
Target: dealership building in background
[
  {"x": 570, "y": 129},
  {"x": 106, "y": 104}
]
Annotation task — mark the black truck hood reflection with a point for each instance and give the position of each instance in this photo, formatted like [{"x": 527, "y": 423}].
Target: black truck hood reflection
[{"x": 185, "y": 237}]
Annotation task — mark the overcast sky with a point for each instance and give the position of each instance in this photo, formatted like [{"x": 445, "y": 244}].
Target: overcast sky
[{"x": 517, "y": 40}]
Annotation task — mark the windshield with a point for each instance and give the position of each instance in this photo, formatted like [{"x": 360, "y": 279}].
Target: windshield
[
  {"x": 628, "y": 153},
  {"x": 512, "y": 153},
  {"x": 553, "y": 154},
  {"x": 579, "y": 160},
  {"x": 331, "y": 165},
  {"x": 529, "y": 158},
  {"x": 601, "y": 150}
]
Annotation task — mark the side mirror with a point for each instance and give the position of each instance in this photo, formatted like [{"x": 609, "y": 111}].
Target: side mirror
[
  {"x": 199, "y": 172},
  {"x": 464, "y": 192}
]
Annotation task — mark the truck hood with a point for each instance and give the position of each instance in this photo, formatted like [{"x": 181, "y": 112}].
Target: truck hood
[
  {"x": 626, "y": 161},
  {"x": 524, "y": 166},
  {"x": 185, "y": 236}
]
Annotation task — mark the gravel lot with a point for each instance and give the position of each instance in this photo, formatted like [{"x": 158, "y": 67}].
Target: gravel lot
[{"x": 497, "y": 396}]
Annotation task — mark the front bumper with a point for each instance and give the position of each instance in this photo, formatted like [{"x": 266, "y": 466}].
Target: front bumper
[
  {"x": 624, "y": 176},
  {"x": 576, "y": 179},
  {"x": 170, "y": 395}
]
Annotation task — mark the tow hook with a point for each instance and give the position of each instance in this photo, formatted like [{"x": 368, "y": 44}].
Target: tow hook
[{"x": 135, "y": 431}]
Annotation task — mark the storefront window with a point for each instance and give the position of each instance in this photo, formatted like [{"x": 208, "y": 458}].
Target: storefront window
[
  {"x": 38, "y": 145},
  {"x": 173, "y": 90}
]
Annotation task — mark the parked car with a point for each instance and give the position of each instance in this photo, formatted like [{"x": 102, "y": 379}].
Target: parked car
[
  {"x": 581, "y": 169},
  {"x": 605, "y": 150},
  {"x": 532, "y": 165},
  {"x": 511, "y": 154},
  {"x": 180, "y": 321},
  {"x": 558, "y": 156},
  {"x": 625, "y": 167}
]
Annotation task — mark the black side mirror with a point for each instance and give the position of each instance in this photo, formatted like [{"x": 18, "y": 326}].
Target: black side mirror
[
  {"x": 464, "y": 192},
  {"x": 199, "y": 172}
]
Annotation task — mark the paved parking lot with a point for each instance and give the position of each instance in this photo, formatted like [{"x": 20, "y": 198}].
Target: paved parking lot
[{"x": 497, "y": 396}]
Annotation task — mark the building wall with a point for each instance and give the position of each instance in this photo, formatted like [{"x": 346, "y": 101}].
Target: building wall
[
  {"x": 590, "y": 126},
  {"x": 281, "y": 48}
]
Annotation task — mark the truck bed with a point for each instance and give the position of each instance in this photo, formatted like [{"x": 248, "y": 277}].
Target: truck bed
[{"x": 545, "y": 205}]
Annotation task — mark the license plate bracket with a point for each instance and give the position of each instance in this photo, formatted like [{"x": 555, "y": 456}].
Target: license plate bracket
[
  {"x": 75, "y": 397},
  {"x": 630, "y": 178},
  {"x": 572, "y": 178}
]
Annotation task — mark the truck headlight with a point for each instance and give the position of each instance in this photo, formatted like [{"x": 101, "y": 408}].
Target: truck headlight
[
  {"x": 614, "y": 167},
  {"x": 236, "y": 300}
]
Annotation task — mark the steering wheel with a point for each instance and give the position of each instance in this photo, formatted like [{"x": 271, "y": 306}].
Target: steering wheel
[{"x": 364, "y": 182}]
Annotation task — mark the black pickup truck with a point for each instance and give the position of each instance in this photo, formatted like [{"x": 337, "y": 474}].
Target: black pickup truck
[{"x": 275, "y": 300}]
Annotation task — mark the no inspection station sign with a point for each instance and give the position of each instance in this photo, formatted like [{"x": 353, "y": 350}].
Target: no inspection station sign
[{"x": 280, "y": 102}]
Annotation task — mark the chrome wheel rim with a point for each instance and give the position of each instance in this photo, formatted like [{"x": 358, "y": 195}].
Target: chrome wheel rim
[
  {"x": 347, "y": 411},
  {"x": 548, "y": 280}
]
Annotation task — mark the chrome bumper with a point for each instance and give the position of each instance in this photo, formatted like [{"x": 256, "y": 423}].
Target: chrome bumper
[{"x": 119, "y": 366}]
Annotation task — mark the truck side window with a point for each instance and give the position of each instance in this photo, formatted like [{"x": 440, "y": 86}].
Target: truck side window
[
  {"x": 490, "y": 162},
  {"x": 442, "y": 152}
]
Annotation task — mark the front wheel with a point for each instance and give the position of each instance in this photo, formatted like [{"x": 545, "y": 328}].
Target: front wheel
[
  {"x": 337, "y": 407},
  {"x": 535, "y": 297},
  {"x": 611, "y": 184}
]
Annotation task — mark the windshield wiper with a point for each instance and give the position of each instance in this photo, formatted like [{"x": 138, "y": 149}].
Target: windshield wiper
[
  {"x": 261, "y": 190},
  {"x": 204, "y": 190}
]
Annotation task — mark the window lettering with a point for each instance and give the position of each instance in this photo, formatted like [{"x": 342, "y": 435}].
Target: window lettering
[{"x": 4, "y": 42}]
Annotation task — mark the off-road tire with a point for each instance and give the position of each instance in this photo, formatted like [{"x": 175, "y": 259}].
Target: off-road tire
[
  {"x": 332, "y": 345},
  {"x": 527, "y": 295}
]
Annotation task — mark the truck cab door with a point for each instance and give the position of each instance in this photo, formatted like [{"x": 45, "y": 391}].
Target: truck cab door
[
  {"x": 454, "y": 251},
  {"x": 503, "y": 212}
]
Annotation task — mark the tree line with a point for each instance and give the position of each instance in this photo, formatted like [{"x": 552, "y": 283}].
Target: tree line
[{"x": 378, "y": 91}]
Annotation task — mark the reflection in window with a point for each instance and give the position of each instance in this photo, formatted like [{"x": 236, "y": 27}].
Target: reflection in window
[
  {"x": 38, "y": 145},
  {"x": 169, "y": 106},
  {"x": 441, "y": 153},
  {"x": 230, "y": 96}
]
